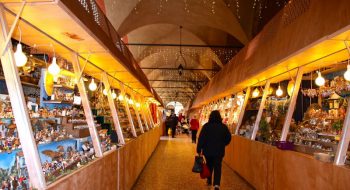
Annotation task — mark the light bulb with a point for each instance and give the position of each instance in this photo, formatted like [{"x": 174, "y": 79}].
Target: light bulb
[
  {"x": 320, "y": 81},
  {"x": 114, "y": 95},
  {"x": 279, "y": 91},
  {"x": 54, "y": 69},
  {"x": 120, "y": 97},
  {"x": 256, "y": 93},
  {"x": 138, "y": 105},
  {"x": 20, "y": 58},
  {"x": 105, "y": 92},
  {"x": 92, "y": 85},
  {"x": 347, "y": 73},
  {"x": 131, "y": 102}
]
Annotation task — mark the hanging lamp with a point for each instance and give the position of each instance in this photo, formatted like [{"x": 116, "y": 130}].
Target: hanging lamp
[
  {"x": 92, "y": 85},
  {"x": 279, "y": 91},
  {"x": 20, "y": 58},
  {"x": 320, "y": 81}
]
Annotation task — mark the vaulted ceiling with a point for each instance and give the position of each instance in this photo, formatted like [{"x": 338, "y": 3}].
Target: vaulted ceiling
[{"x": 213, "y": 32}]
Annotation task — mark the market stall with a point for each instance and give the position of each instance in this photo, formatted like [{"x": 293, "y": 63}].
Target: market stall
[
  {"x": 299, "y": 137},
  {"x": 59, "y": 112}
]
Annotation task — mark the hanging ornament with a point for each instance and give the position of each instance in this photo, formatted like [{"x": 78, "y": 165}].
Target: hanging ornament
[{"x": 320, "y": 81}]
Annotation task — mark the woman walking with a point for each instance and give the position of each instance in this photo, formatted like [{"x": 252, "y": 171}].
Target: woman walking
[
  {"x": 212, "y": 140},
  {"x": 194, "y": 128}
]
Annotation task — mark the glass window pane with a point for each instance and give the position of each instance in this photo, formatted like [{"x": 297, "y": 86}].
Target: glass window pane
[
  {"x": 251, "y": 110},
  {"x": 123, "y": 118}
]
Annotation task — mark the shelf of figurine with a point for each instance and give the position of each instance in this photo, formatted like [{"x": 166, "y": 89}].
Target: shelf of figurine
[
  {"x": 77, "y": 127},
  {"x": 320, "y": 129},
  {"x": 106, "y": 142},
  {"x": 64, "y": 159},
  {"x": 272, "y": 120},
  {"x": 246, "y": 129},
  {"x": 135, "y": 120},
  {"x": 143, "y": 122},
  {"x": 60, "y": 96}
]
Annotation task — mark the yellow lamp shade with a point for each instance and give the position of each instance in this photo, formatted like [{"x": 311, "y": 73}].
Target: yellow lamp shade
[
  {"x": 290, "y": 87},
  {"x": 270, "y": 90},
  {"x": 48, "y": 83}
]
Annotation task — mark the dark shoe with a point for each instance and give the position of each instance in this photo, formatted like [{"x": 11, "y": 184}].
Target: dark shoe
[
  {"x": 216, "y": 187},
  {"x": 208, "y": 182}
]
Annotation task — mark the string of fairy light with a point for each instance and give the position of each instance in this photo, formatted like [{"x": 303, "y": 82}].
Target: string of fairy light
[{"x": 212, "y": 5}]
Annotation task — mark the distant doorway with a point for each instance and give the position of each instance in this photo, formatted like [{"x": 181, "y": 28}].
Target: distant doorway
[{"x": 177, "y": 106}]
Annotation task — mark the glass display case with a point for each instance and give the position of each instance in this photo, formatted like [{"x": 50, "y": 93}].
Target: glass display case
[
  {"x": 123, "y": 117},
  {"x": 318, "y": 129},
  {"x": 133, "y": 115},
  {"x": 251, "y": 110}
]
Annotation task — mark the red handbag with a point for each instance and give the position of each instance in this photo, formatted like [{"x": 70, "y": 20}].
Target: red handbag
[{"x": 205, "y": 171}]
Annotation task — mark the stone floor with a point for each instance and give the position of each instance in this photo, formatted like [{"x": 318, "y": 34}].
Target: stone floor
[{"x": 170, "y": 166}]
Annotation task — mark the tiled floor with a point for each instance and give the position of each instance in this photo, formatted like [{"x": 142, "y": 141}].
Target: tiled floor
[{"x": 170, "y": 169}]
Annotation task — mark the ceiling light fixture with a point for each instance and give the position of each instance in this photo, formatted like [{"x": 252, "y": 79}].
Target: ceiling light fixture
[{"x": 180, "y": 68}]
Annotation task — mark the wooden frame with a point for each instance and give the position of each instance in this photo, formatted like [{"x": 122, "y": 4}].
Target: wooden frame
[
  {"x": 343, "y": 145},
  {"x": 291, "y": 107},
  {"x": 261, "y": 109},
  {"x": 241, "y": 114},
  {"x": 113, "y": 109},
  {"x": 86, "y": 105},
  {"x": 20, "y": 112},
  {"x": 127, "y": 109},
  {"x": 137, "y": 113}
]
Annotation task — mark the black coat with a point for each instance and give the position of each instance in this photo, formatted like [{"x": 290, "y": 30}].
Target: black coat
[{"x": 213, "y": 138}]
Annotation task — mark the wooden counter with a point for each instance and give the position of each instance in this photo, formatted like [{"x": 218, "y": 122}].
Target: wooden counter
[
  {"x": 103, "y": 173},
  {"x": 266, "y": 167}
]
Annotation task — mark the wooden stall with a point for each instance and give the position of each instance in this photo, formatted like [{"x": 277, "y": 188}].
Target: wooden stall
[
  {"x": 117, "y": 169},
  {"x": 267, "y": 167}
]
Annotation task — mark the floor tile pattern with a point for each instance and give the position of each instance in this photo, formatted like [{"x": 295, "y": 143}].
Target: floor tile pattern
[{"x": 170, "y": 166}]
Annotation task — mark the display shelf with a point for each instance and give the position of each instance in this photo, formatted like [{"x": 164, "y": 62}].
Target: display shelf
[
  {"x": 57, "y": 102},
  {"x": 63, "y": 86}
]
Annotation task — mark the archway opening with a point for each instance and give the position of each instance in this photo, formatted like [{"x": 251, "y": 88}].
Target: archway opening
[{"x": 176, "y": 106}]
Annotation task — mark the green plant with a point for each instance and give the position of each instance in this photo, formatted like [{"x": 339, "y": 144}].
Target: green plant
[
  {"x": 337, "y": 125},
  {"x": 264, "y": 129}
]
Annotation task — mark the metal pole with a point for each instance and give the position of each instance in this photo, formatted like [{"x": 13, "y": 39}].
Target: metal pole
[
  {"x": 261, "y": 109},
  {"x": 343, "y": 145},
  {"x": 241, "y": 114},
  {"x": 113, "y": 109},
  {"x": 127, "y": 109},
  {"x": 19, "y": 109},
  {"x": 86, "y": 105},
  {"x": 293, "y": 101}
]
